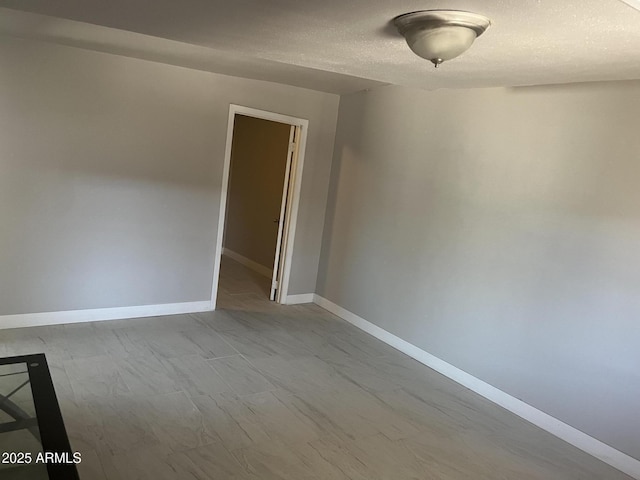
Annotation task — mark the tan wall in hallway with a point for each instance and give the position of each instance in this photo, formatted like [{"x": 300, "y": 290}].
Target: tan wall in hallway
[{"x": 258, "y": 163}]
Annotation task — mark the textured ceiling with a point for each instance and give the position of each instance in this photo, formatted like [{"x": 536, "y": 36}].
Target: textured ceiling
[
  {"x": 530, "y": 41},
  {"x": 136, "y": 45}
]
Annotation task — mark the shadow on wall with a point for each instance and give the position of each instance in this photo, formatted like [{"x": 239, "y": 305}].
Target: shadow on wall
[
  {"x": 109, "y": 181},
  {"x": 101, "y": 118}
]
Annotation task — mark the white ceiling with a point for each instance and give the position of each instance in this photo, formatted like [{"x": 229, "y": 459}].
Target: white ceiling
[{"x": 530, "y": 42}]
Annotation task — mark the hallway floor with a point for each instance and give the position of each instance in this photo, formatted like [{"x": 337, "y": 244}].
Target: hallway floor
[
  {"x": 239, "y": 285},
  {"x": 260, "y": 391}
]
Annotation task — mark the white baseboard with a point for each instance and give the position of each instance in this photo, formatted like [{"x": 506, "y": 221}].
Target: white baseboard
[
  {"x": 301, "y": 298},
  {"x": 255, "y": 266},
  {"x": 99, "y": 314},
  {"x": 575, "y": 437}
]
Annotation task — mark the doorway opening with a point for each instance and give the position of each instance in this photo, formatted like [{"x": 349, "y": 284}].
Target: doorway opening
[{"x": 259, "y": 200}]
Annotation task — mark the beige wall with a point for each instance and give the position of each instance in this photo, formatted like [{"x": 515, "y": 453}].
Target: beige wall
[
  {"x": 111, "y": 172},
  {"x": 258, "y": 163},
  {"x": 499, "y": 229}
]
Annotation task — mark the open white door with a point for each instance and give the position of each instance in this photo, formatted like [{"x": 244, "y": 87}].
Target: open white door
[
  {"x": 277, "y": 267},
  {"x": 288, "y": 208}
]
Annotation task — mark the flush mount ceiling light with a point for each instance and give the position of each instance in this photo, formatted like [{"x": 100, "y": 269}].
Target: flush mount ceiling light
[{"x": 440, "y": 35}]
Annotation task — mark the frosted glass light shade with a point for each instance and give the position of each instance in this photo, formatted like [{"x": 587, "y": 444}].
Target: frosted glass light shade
[
  {"x": 442, "y": 43},
  {"x": 439, "y": 35}
]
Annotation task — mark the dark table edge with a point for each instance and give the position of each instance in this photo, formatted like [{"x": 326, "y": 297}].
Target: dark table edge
[{"x": 52, "y": 431}]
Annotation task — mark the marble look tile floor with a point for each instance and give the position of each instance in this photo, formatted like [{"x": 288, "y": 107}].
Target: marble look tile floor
[{"x": 259, "y": 391}]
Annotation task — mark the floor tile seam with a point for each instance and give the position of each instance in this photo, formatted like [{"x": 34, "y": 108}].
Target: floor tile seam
[{"x": 235, "y": 391}]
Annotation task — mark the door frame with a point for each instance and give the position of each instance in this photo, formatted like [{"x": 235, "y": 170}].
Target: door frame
[
  {"x": 294, "y": 186},
  {"x": 274, "y": 293}
]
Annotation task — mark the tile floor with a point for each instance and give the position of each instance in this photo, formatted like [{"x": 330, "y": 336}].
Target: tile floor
[{"x": 261, "y": 391}]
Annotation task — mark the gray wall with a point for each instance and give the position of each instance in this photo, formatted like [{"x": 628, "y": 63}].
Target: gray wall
[
  {"x": 110, "y": 177},
  {"x": 499, "y": 230},
  {"x": 258, "y": 166}
]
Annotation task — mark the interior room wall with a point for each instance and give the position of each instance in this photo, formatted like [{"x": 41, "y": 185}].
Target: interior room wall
[
  {"x": 258, "y": 163},
  {"x": 111, "y": 172},
  {"x": 498, "y": 230}
]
